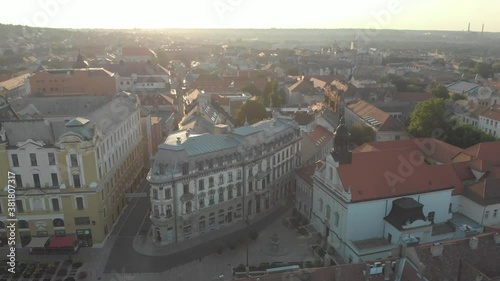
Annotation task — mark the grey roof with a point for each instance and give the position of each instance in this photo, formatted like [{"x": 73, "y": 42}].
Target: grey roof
[
  {"x": 21, "y": 131},
  {"x": 202, "y": 144},
  {"x": 461, "y": 87},
  {"x": 114, "y": 112},
  {"x": 37, "y": 107}
]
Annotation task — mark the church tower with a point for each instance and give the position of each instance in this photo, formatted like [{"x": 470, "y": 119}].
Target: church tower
[{"x": 341, "y": 152}]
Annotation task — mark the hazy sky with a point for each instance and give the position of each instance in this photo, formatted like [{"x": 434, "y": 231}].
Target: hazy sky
[{"x": 390, "y": 14}]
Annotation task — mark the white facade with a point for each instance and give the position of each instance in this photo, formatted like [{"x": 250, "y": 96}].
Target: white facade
[
  {"x": 346, "y": 222},
  {"x": 489, "y": 126}
]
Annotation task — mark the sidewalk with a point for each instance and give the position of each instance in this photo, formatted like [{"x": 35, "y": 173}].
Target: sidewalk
[{"x": 145, "y": 246}]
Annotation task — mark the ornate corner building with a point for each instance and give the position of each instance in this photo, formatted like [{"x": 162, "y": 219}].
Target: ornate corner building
[{"x": 206, "y": 182}]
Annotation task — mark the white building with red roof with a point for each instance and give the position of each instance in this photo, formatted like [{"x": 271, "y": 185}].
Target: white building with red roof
[{"x": 384, "y": 194}]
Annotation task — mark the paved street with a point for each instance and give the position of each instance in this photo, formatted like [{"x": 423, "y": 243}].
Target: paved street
[{"x": 123, "y": 255}]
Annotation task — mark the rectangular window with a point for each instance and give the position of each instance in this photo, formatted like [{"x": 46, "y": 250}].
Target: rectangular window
[
  {"x": 250, "y": 186},
  {"x": 55, "y": 180},
  {"x": 169, "y": 211},
  {"x": 82, "y": 220},
  {"x": 486, "y": 214},
  {"x": 200, "y": 166},
  {"x": 211, "y": 200},
  {"x": 185, "y": 169},
  {"x": 155, "y": 194},
  {"x": 186, "y": 188},
  {"x": 20, "y": 206},
  {"x": 210, "y": 163},
  {"x": 495, "y": 212},
  {"x": 221, "y": 179},
  {"x": 221, "y": 195},
  {"x": 230, "y": 177},
  {"x": 202, "y": 202},
  {"x": 52, "y": 159},
  {"x": 238, "y": 175},
  {"x": 79, "y": 203},
  {"x": 33, "y": 159},
  {"x": 74, "y": 160},
  {"x": 211, "y": 182},
  {"x": 76, "y": 181},
  {"x": 201, "y": 184},
  {"x": 36, "y": 180},
  {"x": 15, "y": 160},
  {"x": 19, "y": 181},
  {"x": 168, "y": 193},
  {"x": 55, "y": 204}
]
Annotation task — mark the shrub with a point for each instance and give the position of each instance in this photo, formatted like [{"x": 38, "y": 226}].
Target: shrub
[
  {"x": 82, "y": 275},
  {"x": 51, "y": 268},
  {"x": 253, "y": 235},
  {"x": 62, "y": 272},
  {"x": 220, "y": 250}
]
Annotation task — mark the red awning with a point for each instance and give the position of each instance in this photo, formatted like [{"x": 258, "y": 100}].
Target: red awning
[{"x": 62, "y": 241}]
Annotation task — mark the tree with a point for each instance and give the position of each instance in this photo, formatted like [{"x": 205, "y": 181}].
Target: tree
[
  {"x": 294, "y": 71},
  {"x": 483, "y": 69},
  {"x": 361, "y": 133},
  {"x": 465, "y": 136},
  {"x": 440, "y": 92},
  {"x": 430, "y": 118},
  {"x": 496, "y": 67},
  {"x": 253, "y": 90},
  {"x": 253, "y": 111}
]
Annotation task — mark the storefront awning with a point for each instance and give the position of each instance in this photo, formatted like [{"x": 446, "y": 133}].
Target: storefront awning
[
  {"x": 37, "y": 242},
  {"x": 62, "y": 241}
]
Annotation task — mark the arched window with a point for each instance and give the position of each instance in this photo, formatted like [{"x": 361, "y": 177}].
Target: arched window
[
  {"x": 238, "y": 211},
  {"x": 211, "y": 219},
  {"x": 201, "y": 223},
  {"x": 23, "y": 224},
  {"x": 58, "y": 223},
  {"x": 320, "y": 205},
  {"x": 336, "y": 218},
  {"x": 328, "y": 212},
  {"x": 221, "y": 216}
]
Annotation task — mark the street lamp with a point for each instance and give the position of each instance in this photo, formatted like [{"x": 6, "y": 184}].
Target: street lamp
[{"x": 247, "y": 222}]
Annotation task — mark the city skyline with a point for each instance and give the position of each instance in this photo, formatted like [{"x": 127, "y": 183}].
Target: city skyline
[{"x": 393, "y": 14}]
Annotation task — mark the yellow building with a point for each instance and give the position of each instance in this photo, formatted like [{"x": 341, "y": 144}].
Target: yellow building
[{"x": 72, "y": 173}]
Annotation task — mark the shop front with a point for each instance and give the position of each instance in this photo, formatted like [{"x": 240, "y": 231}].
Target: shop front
[{"x": 84, "y": 237}]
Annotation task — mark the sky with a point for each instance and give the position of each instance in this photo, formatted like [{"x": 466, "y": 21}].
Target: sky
[{"x": 380, "y": 14}]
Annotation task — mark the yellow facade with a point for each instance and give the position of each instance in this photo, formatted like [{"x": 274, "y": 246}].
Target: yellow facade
[{"x": 103, "y": 202}]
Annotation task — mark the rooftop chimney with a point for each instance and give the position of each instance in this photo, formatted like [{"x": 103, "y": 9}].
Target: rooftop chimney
[
  {"x": 473, "y": 243},
  {"x": 496, "y": 236},
  {"x": 437, "y": 249}
]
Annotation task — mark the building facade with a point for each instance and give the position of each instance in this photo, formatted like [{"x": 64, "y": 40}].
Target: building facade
[
  {"x": 81, "y": 81},
  {"x": 72, "y": 176},
  {"x": 201, "y": 183}
]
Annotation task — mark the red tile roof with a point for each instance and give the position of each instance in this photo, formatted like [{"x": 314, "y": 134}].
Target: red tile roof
[
  {"x": 320, "y": 136},
  {"x": 432, "y": 148},
  {"x": 367, "y": 179},
  {"x": 484, "y": 155},
  {"x": 492, "y": 113},
  {"x": 387, "y": 122}
]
